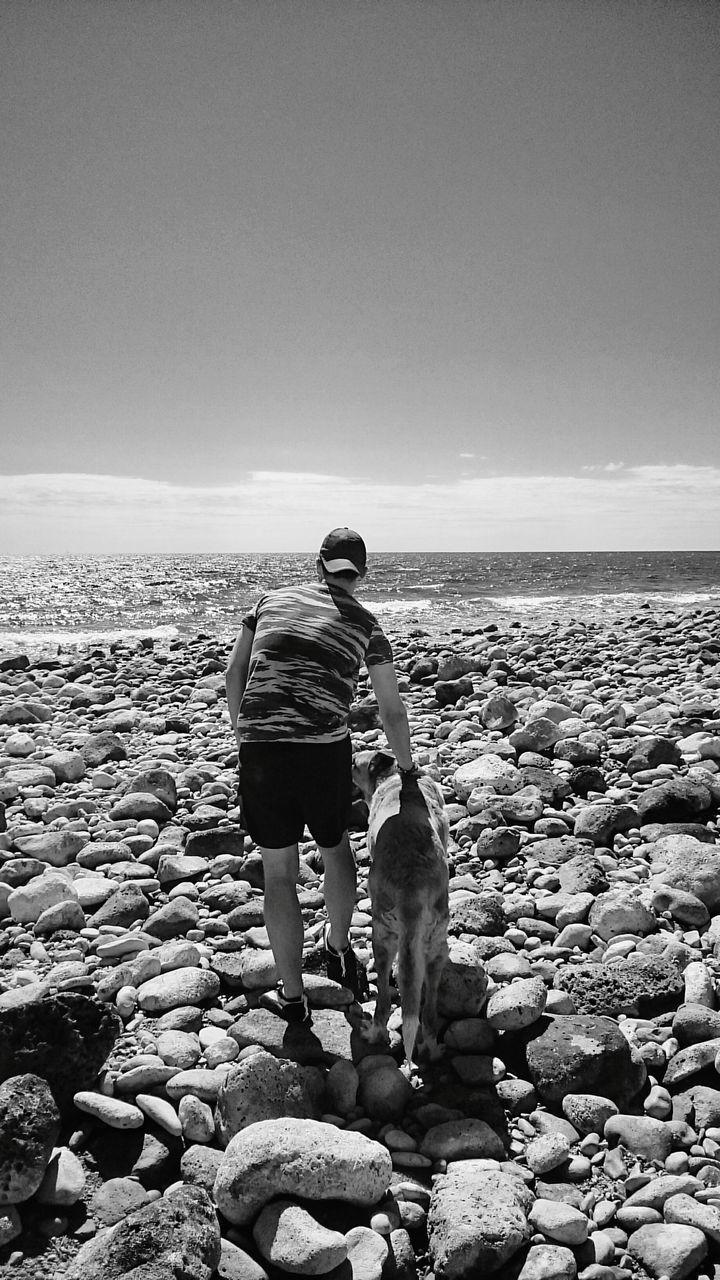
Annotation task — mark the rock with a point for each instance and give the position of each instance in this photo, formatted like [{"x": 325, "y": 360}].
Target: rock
[
  {"x": 686, "y": 1063},
  {"x": 29, "y": 1126},
  {"x": 575, "y": 1054},
  {"x": 236, "y": 1264},
  {"x": 546, "y": 1153},
  {"x": 65, "y": 1038},
  {"x": 64, "y": 1179},
  {"x": 678, "y": 800},
  {"x": 155, "y": 782},
  {"x": 601, "y": 822},
  {"x": 463, "y": 983},
  {"x": 479, "y": 914},
  {"x": 588, "y": 1112},
  {"x": 462, "y": 1140},
  {"x": 367, "y": 1253},
  {"x": 537, "y": 735},
  {"x": 644, "y": 1136},
  {"x": 582, "y": 874},
  {"x": 68, "y": 766},
  {"x": 517, "y": 1005},
  {"x": 264, "y": 1087},
  {"x": 27, "y": 903},
  {"x": 139, "y": 805},
  {"x": 173, "y": 919},
  {"x": 54, "y": 848},
  {"x": 125, "y": 907},
  {"x": 101, "y": 748},
  {"x": 314, "y": 1161},
  {"x": 668, "y": 1250},
  {"x": 621, "y": 911},
  {"x": 175, "y": 1236},
  {"x": 639, "y": 985},
  {"x": 477, "y": 1221},
  {"x": 384, "y": 1093},
  {"x": 548, "y": 1262},
  {"x": 559, "y": 1222},
  {"x": 113, "y": 1112},
  {"x": 176, "y": 988},
  {"x": 683, "y": 862},
  {"x": 288, "y": 1237}
]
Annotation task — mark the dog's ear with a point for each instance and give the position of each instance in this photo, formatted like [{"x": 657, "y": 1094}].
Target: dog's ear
[{"x": 381, "y": 763}]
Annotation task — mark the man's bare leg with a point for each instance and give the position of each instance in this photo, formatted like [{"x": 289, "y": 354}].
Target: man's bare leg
[
  {"x": 283, "y": 917},
  {"x": 339, "y": 887}
]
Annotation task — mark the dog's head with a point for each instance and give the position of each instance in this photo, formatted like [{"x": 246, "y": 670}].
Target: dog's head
[{"x": 368, "y": 768}]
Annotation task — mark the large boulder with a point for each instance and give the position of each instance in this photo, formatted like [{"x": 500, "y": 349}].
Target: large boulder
[
  {"x": 575, "y": 1054},
  {"x": 477, "y": 1220},
  {"x": 64, "y": 1038},
  {"x": 303, "y": 1158},
  {"x": 172, "y": 1238}
]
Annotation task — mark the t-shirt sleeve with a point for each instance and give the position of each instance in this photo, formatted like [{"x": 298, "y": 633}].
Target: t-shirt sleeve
[{"x": 379, "y": 649}]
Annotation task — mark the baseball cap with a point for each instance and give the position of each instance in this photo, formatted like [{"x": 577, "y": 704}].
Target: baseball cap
[{"x": 343, "y": 549}]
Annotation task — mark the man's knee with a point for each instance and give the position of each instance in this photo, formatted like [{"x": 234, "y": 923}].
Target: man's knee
[{"x": 280, "y": 865}]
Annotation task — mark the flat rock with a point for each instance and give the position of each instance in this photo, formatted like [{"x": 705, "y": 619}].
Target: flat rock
[{"x": 575, "y": 1054}]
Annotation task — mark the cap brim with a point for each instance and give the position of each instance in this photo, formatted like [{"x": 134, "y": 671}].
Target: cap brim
[{"x": 339, "y": 566}]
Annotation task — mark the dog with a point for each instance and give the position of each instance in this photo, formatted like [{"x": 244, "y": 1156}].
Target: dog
[{"x": 408, "y": 885}]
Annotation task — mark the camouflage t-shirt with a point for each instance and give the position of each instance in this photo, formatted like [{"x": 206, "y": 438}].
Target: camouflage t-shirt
[{"x": 309, "y": 642}]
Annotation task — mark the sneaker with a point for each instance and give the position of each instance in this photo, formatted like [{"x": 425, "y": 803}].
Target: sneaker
[
  {"x": 295, "y": 1012},
  {"x": 344, "y": 967}
]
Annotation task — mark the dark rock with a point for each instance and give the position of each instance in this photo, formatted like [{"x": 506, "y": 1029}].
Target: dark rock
[
  {"x": 586, "y": 778},
  {"x": 29, "y": 1127},
  {"x": 101, "y": 747},
  {"x": 576, "y": 1054},
  {"x": 221, "y": 840},
  {"x": 636, "y": 986},
  {"x": 448, "y": 692},
  {"x": 126, "y": 905},
  {"x": 173, "y": 1238},
  {"x": 678, "y": 800},
  {"x": 651, "y": 751},
  {"x": 481, "y": 914},
  {"x": 64, "y": 1038}
]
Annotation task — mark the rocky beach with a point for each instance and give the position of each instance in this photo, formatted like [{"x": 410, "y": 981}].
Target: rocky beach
[{"x": 156, "y": 1123}]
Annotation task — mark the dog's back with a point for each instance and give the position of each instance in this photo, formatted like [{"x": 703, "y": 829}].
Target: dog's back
[{"x": 407, "y": 840}]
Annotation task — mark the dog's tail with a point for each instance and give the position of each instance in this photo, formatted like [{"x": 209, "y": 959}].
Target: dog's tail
[{"x": 412, "y": 958}]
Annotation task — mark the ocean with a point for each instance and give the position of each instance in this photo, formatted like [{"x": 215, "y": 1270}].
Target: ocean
[{"x": 70, "y": 602}]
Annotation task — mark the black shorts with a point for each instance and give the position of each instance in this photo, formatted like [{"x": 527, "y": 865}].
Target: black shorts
[{"x": 286, "y": 786}]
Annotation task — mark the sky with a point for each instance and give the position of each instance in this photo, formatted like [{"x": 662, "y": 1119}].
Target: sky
[{"x": 445, "y": 271}]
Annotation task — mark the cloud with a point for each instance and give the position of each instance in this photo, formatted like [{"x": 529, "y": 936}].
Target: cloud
[
  {"x": 653, "y": 507},
  {"x": 608, "y": 466}
]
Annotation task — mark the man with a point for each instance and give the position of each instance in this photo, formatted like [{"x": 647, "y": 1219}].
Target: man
[{"x": 290, "y": 681}]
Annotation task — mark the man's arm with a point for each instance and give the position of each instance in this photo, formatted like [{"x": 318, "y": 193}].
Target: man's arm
[
  {"x": 392, "y": 712},
  {"x": 236, "y": 673}
]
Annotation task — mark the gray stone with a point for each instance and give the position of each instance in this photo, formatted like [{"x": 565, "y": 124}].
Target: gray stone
[
  {"x": 264, "y": 1087},
  {"x": 668, "y": 1250},
  {"x": 477, "y": 1221},
  {"x": 307, "y": 1158},
  {"x": 288, "y": 1237}
]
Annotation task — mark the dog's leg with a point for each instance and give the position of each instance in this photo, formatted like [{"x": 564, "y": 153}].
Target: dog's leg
[
  {"x": 384, "y": 951},
  {"x": 433, "y": 973}
]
